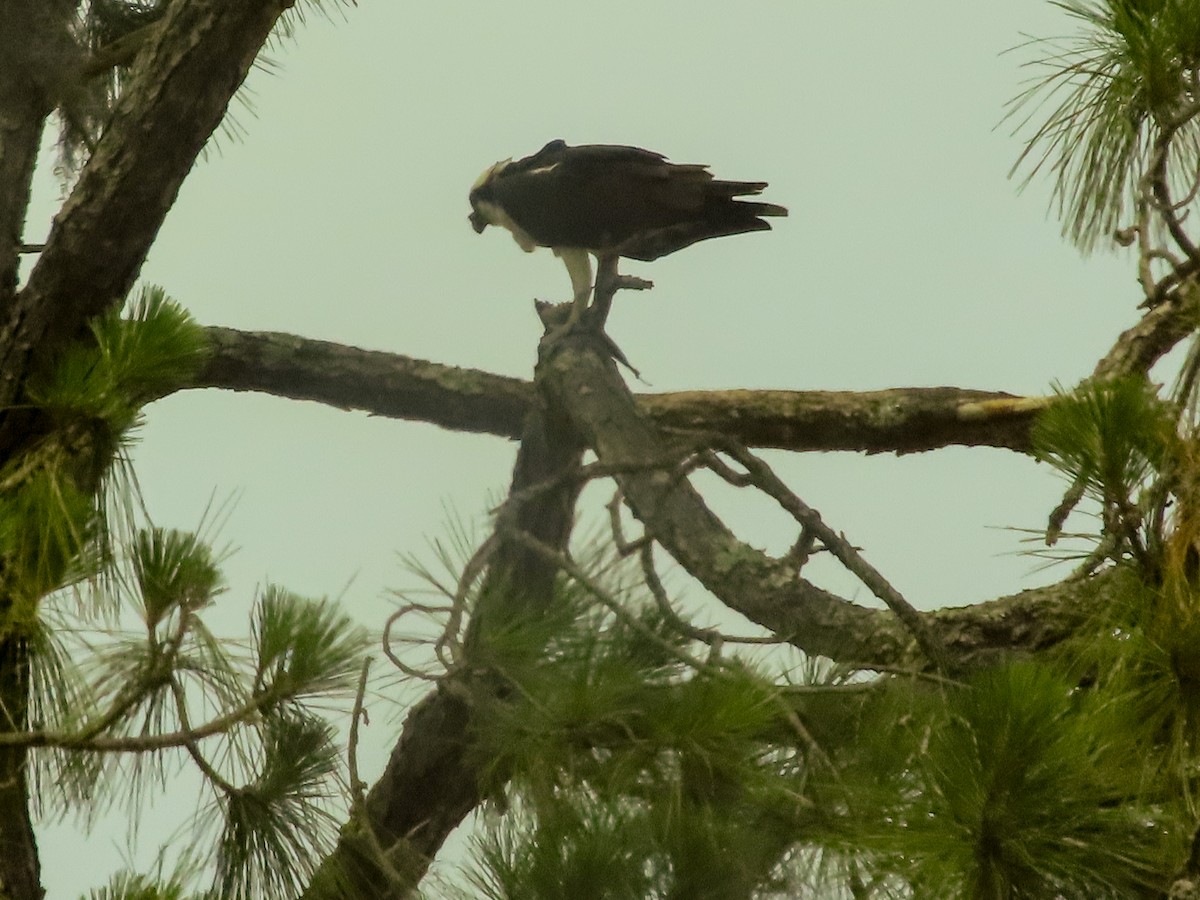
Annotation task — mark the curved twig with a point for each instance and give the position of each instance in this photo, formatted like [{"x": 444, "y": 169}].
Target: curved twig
[
  {"x": 762, "y": 477},
  {"x": 1163, "y": 202},
  {"x": 429, "y": 609}
]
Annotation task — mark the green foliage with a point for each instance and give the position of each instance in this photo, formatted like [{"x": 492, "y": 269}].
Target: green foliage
[
  {"x": 51, "y": 527},
  {"x": 631, "y": 770},
  {"x": 633, "y": 774},
  {"x": 173, "y": 569},
  {"x": 1128, "y": 74},
  {"x": 128, "y": 362},
  {"x": 1141, "y": 649},
  {"x": 45, "y": 526},
  {"x": 130, "y": 886},
  {"x": 279, "y": 824},
  {"x": 276, "y": 828},
  {"x": 1111, "y": 435},
  {"x": 172, "y": 688},
  {"x": 1015, "y": 785},
  {"x": 304, "y": 647},
  {"x": 576, "y": 850},
  {"x": 600, "y": 678}
]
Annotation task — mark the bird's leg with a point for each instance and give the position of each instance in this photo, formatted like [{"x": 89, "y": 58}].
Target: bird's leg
[
  {"x": 608, "y": 282},
  {"x": 579, "y": 267}
]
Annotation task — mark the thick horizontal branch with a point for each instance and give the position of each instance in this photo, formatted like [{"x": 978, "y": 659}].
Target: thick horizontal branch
[
  {"x": 901, "y": 420},
  {"x": 382, "y": 384},
  {"x": 897, "y": 420}
]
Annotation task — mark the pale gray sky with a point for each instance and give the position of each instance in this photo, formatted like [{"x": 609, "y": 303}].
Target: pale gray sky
[{"x": 909, "y": 259}]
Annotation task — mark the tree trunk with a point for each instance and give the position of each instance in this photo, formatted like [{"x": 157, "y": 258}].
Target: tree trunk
[
  {"x": 431, "y": 782},
  {"x": 20, "y": 871}
]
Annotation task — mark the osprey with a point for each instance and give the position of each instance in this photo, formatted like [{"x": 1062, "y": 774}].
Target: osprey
[{"x": 611, "y": 201}]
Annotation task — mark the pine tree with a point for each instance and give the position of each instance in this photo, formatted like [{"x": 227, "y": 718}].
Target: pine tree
[{"x": 1039, "y": 745}]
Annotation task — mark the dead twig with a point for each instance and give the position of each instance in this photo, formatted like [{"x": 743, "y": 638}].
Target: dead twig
[{"x": 764, "y": 479}]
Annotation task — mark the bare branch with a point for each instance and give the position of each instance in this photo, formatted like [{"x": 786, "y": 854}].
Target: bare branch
[
  {"x": 760, "y": 476},
  {"x": 766, "y": 591},
  {"x": 901, "y": 420},
  {"x": 358, "y": 787},
  {"x": 771, "y": 592},
  {"x": 1157, "y": 173},
  {"x": 146, "y": 743}
]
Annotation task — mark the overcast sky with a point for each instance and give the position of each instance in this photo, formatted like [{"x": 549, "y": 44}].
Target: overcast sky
[{"x": 909, "y": 259}]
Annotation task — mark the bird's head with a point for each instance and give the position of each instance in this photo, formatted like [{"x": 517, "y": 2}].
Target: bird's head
[{"x": 482, "y": 208}]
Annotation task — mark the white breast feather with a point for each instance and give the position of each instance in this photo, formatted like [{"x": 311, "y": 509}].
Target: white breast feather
[{"x": 497, "y": 216}]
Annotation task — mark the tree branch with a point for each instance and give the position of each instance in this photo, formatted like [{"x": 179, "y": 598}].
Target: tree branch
[
  {"x": 382, "y": 384},
  {"x": 901, "y": 420},
  {"x": 768, "y": 591},
  {"x": 35, "y": 41},
  {"x": 813, "y": 527},
  {"x": 1161, "y": 328},
  {"x": 432, "y": 781},
  {"x": 1160, "y": 188}
]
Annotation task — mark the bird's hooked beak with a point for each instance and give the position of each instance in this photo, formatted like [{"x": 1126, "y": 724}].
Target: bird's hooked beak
[{"x": 477, "y": 221}]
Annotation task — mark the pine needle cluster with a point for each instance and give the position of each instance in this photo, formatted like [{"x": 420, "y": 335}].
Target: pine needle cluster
[
  {"x": 619, "y": 769},
  {"x": 1128, "y": 77},
  {"x": 115, "y": 707}
]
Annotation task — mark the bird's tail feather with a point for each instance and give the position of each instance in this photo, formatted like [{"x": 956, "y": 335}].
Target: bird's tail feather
[
  {"x": 737, "y": 188},
  {"x": 763, "y": 209}
]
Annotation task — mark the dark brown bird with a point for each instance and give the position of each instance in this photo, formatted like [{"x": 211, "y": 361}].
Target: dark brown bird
[{"x": 604, "y": 200}]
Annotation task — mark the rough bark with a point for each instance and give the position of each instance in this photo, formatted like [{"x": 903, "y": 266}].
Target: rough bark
[
  {"x": 898, "y": 420},
  {"x": 382, "y": 384},
  {"x": 35, "y": 46},
  {"x": 178, "y": 93},
  {"x": 432, "y": 781},
  {"x": 769, "y": 591},
  {"x": 901, "y": 420},
  {"x": 20, "y": 868},
  {"x": 176, "y": 96},
  {"x": 1161, "y": 328}
]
